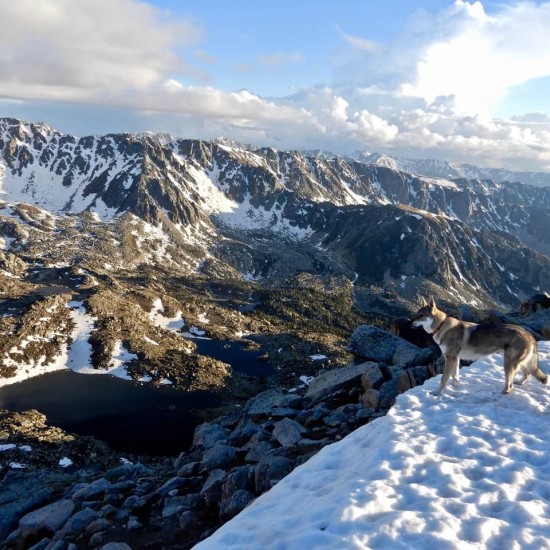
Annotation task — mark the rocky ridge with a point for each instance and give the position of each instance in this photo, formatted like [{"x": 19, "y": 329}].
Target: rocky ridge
[
  {"x": 94, "y": 502},
  {"x": 223, "y": 210}
]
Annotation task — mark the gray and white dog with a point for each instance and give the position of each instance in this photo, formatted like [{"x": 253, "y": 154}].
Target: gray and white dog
[{"x": 462, "y": 340}]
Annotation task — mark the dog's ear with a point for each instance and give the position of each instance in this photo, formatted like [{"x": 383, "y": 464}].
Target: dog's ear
[{"x": 431, "y": 303}]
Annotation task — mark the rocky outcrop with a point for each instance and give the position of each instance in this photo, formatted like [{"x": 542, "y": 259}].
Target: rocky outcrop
[{"x": 232, "y": 460}]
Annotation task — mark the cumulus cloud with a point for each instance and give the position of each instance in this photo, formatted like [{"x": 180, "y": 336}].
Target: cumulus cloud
[
  {"x": 61, "y": 49},
  {"x": 460, "y": 52},
  {"x": 426, "y": 94}
]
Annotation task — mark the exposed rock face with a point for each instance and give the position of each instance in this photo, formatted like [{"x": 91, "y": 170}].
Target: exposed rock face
[{"x": 227, "y": 209}]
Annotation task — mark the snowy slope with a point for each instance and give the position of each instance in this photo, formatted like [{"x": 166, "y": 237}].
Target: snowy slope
[{"x": 468, "y": 470}]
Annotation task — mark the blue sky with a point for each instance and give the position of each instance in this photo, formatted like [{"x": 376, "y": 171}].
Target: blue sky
[{"x": 459, "y": 80}]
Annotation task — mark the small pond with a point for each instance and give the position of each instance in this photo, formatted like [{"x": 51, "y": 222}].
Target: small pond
[{"x": 129, "y": 416}]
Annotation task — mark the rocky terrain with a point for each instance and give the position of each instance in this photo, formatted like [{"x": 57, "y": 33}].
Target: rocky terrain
[{"x": 91, "y": 497}]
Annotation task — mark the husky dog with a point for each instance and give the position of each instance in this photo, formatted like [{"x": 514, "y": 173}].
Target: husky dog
[{"x": 461, "y": 340}]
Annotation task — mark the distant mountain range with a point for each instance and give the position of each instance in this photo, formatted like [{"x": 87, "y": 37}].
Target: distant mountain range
[{"x": 222, "y": 209}]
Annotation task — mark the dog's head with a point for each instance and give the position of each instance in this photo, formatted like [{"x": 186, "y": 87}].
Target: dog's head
[{"x": 424, "y": 317}]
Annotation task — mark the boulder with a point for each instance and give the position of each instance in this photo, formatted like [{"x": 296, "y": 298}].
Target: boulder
[
  {"x": 174, "y": 505},
  {"x": 376, "y": 344},
  {"x": 230, "y": 507},
  {"x": 271, "y": 470},
  {"x": 372, "y": 378},
  {"x": 77, "y": 523},
  {"x": 209, "y": 434},
  {"x": 371, "y": 399},
  {"x": 239, "y": 478},
  {"x": 264, "y": 403},
  {"x": 258, "y": 451},
  {"x": 331, "y": 381},
  {"x": 288, "y": 432},
  {"x": 49, "y": 518},
  {"x": 219, "y": 456}
]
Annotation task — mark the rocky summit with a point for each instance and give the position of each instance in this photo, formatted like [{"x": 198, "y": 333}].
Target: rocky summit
[{"x": 130, "y": 254}]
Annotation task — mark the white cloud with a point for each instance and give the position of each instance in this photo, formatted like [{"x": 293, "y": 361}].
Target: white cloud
[
  {"x": 358, "y": 42},
  {"x": 61, "y": 49},
  {"x": 427, "y": 94}
]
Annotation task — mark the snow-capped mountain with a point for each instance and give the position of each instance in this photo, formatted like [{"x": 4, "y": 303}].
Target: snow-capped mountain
[
  {"x": 444, "y": 169},
  {"x": 220, "y": 206}
]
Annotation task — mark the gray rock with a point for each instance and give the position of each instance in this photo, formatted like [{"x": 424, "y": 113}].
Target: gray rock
[
  {"x": 98, "y": 525},
  {"x": 388, "y": 393},
  {"x": 371, "y": 399},
  {"x": 97, "y": 538},
  {"x": 336, "y": 418},
  {"x": 258, "y": 451},
  {"x": 189, "y": 469},
  {"x": 89, "y": 490},
  {"x": 238, "y": 478},
  {"x": 376, "y": 344},
  {"x": 372, "y": 378},
  {"x": 77, "y": 523},
  {"x": 50, "y": 518},
  {"x": 264, "y": 403},
  {"x": 135, "y": 502},
  {"x": 288, "y": 432},
  {"x": 233, "y": 505},
  {"x": 134, "y": 524},
  {"x": 271, "y": 470},
  {"x": 175, "y": 505},
  {"x": 331, "y": 381},
  {"x": 42, "y": 545},
  {"x": 116, "y": 546},
  {"x": 214, "y": 482},
  {"x": 243, "y": 433},
  {"x": 171, "y": 484},
  {"x": 219, "y": 456},
  {"x": 209, "y": 434},
  {"x": 188, "y": 522},
  {"x": 22, "y": 492},
  {"x": 120, "y": 472}
]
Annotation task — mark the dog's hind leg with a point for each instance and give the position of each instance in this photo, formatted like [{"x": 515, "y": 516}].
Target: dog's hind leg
[
  {"x": 456, "y": 374},
  {"x": 451, "y": 365},
  {"x": 512, "y": 362}
]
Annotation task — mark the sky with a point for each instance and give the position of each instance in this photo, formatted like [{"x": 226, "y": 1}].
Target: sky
[
  {"x": 467, "y": 470},
  {"x": 465, "y": 81}
]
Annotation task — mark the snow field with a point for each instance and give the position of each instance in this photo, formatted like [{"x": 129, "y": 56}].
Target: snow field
[{"x": 467, "y": 470}]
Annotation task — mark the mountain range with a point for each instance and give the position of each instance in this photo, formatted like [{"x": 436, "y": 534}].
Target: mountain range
[{"x": 219, "y": 209}]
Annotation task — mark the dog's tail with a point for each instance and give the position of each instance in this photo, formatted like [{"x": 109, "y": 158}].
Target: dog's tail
[{"x": 537, "y": 373}]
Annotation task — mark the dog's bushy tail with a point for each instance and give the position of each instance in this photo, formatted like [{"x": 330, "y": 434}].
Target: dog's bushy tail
[{"x": 537, "y": 373}]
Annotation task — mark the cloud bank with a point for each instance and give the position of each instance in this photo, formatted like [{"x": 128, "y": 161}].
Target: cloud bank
[{"x": 429, "y": 93}]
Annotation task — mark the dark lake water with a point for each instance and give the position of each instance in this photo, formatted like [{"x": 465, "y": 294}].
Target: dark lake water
[{"x": 129, "y": 416}]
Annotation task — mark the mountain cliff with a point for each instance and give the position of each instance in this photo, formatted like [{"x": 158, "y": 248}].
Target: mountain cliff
[{"x": 257, "y": 214}]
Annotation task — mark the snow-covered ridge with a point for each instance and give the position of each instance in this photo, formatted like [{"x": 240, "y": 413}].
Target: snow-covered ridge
[
  {"x": 193, "y": 184},
  {"x": 466, "y": 470}
]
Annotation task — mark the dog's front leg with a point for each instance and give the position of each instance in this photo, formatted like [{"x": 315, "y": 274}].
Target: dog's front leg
[{"x": 451, "y": 365}]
